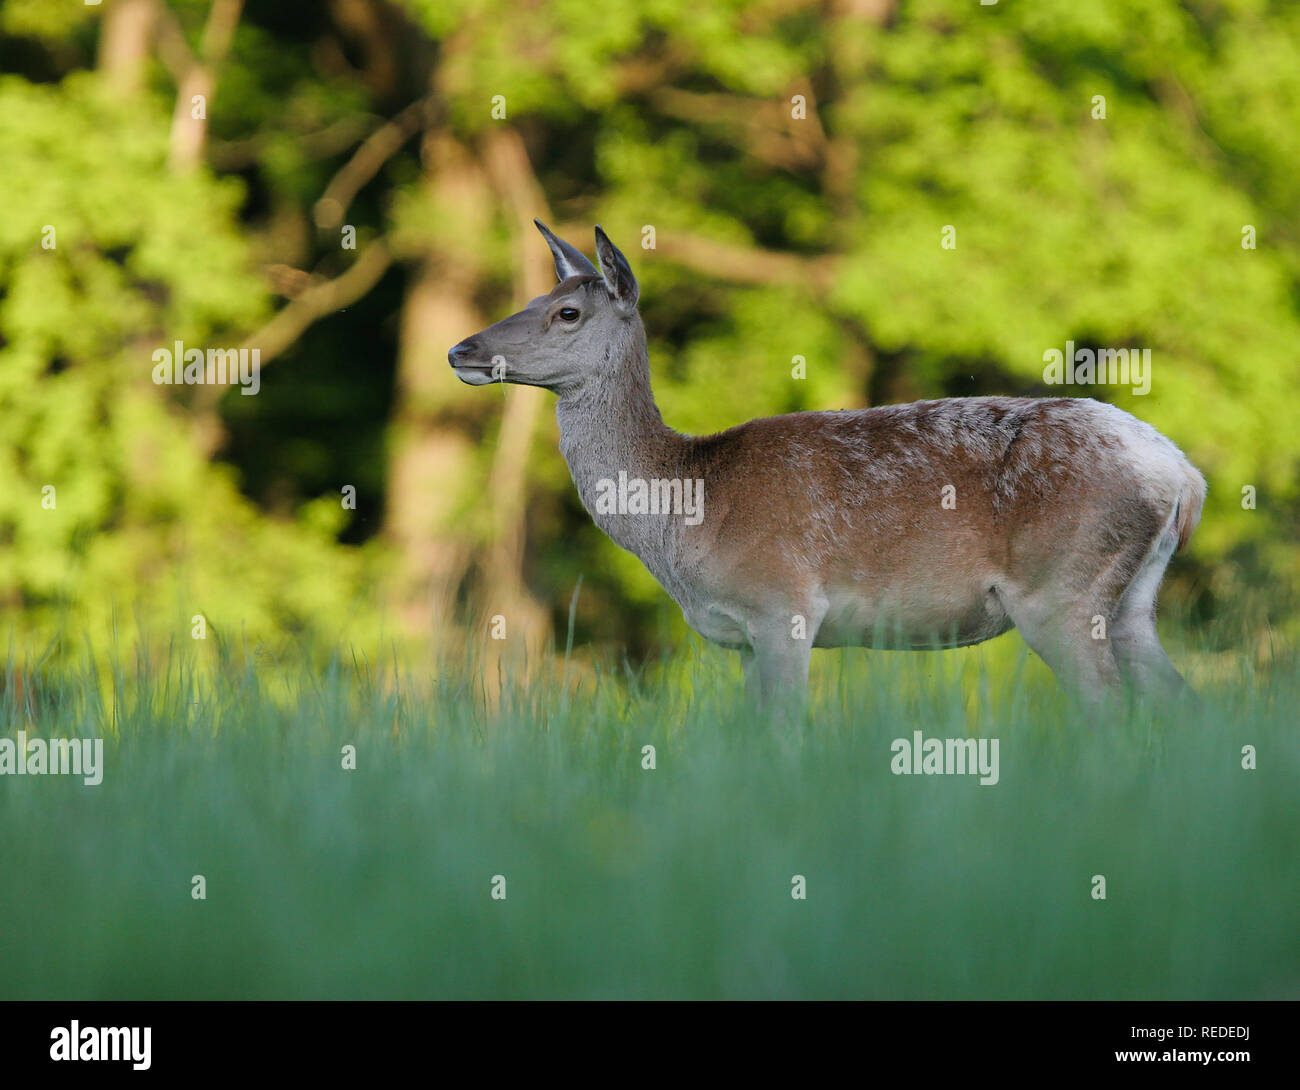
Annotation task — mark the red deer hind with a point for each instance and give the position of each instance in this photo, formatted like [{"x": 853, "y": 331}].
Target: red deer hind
[{"x": 929, "y": 525}]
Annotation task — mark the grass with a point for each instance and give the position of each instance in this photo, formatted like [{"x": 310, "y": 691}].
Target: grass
[{"x": 630, "y": 883}]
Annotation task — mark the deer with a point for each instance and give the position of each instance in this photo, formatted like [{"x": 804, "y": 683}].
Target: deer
[{"x": 918, "y": 526}]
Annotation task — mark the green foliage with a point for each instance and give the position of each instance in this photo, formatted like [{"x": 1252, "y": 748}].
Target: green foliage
[
  {"x": 41, "y": 19},
  {"x": 1122, "y": 231},
  {"x": 141, "y": 522}
]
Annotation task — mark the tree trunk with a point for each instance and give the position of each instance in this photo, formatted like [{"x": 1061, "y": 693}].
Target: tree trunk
[
  {"x": 125, "y": 39},
  {"x": 432, "y": 469}
]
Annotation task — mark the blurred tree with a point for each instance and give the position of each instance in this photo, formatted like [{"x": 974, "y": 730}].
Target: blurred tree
[{"x": 781, "y": 173}]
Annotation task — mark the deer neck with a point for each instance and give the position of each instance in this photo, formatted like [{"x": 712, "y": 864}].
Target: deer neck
[{"x": 610, "y": 425}]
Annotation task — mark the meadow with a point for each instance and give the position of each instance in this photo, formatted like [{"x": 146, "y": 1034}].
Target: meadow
[{"x": 623, "y": 881}]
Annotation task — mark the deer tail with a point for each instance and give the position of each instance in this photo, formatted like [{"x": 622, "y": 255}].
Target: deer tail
[{"x": 1191, "y": 498}]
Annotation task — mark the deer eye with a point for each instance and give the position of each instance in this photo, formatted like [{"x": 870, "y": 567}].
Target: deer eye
[{"x": 568, "y": 314}]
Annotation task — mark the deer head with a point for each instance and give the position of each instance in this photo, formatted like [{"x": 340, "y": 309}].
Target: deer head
[{"x": 561, "y": 339}]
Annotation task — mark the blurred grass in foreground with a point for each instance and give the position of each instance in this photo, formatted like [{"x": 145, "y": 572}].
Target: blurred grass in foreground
[{"x": 621, "y": 882}]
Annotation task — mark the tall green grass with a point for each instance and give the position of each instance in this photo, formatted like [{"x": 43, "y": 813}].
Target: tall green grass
[{"x": 629, "y": 883}]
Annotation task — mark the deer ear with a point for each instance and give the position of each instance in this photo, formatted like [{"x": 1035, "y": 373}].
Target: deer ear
[
  {"x": 617, "y": 272},
  {"x": 569, "y": 260}
]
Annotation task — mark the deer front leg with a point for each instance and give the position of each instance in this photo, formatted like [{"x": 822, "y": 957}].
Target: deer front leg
[{"x": 776, "y": 664}]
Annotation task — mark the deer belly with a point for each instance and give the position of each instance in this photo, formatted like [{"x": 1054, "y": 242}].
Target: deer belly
[{"x": 917, "y": 617}]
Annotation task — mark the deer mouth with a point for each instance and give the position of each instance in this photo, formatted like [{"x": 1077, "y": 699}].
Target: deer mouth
[
  {"x": 470, "y": 370},
  {"x": 474, "y": 374}
]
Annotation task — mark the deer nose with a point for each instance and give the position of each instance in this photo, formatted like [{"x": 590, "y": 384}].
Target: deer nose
[{"x": 457, "y": 354}]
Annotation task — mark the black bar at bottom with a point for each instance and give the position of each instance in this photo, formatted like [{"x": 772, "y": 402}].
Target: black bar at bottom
[{"x": 337, "y": 1039}]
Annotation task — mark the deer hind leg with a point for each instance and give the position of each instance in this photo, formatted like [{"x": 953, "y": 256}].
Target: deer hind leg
[
  {"x": 1098, "y": 633},
  {"x": 1141, "y": 660},
  {"x": 1060, "y": 627},
  {"x": 1066, "y": 616}
]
